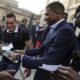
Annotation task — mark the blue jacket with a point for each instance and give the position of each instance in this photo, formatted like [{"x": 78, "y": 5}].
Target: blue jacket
[{"x": 54, "y": 51}]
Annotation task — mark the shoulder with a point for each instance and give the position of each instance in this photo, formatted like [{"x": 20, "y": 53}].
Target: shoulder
[
  {"x": 66, "y": 29},
  {"x": 67, "y": 26},
  {"x": 22, "y": 28}
]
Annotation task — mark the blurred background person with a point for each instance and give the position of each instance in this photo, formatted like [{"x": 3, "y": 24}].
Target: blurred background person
[
  {"x": 65, "y": 16},
  {"x": 24, "y": 23},
  {"x": 33, "y": 31},
  {"x": 19, "y": 38},
  {"x": 76, "y": 57}
]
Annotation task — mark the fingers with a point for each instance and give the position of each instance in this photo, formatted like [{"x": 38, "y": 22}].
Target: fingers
[
  {"x": 10, "y": 77},
  {"x": 19, "y": 51},
  {"x": 13, "y": 56},
  {"x": 27, "y": 72},
  {"x": 68, "y": 71},
  {"x": 15, "y": 79},
  {"x": 1, "y": 45},
  {"x": 64, "y": 68},
  {"x": 12, "y": 72},
  {"x": 63, "y": 71}
]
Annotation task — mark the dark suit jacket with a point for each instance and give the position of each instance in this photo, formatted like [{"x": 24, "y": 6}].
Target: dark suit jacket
[
  {"x": 33, "y": 34},
  {"x": 55, "y": 50}
]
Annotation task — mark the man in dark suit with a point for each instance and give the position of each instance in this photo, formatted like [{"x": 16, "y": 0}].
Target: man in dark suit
[
  {"x": 33, "y": 32},
  {"x": 57, "y": 46}
]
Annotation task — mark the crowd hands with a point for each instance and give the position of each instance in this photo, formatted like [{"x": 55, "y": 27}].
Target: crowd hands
[
  {"x": 67, "y": 73},
  {"x": 63, "y": 72},
  {"x": 7, "y": 75}
]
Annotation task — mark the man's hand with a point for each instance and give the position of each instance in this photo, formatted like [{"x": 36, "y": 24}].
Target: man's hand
[
  {"x": 14, "y": 56},
  {"x": 19, "y": 51},
  {"x": 1, "y": 45},
  {"x": 5, "y": 75},
  {"x": 69, "y": 72},
  {"x": 27, "y": 72}
]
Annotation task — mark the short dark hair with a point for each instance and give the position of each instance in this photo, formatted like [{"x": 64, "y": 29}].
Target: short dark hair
[
  {"x": 24, "y": 19},
  {"x": 56, "y": 6},
  {"x": 10, "y": 15}
]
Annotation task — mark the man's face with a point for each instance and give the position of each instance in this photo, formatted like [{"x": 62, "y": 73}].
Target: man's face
[
  {"x": 25, "y": 22},
  {"x": 37, "y": 22},
  {"x": 11, "y": 24},
  {"x": 50, "y": 16}
]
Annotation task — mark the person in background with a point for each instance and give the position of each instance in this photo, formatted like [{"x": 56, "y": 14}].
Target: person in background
[
  {"x": 33, "y": 32},
  {"x": 66, "y": 16},
  {"x": 76, "y": 58},
  {"x": 2, "y": 26},
  {"x": 24, "y": 23},
  {"x": 40, "y": 33}
]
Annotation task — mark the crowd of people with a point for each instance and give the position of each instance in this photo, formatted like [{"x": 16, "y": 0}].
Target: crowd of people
[{"x": 58, "y": 43}]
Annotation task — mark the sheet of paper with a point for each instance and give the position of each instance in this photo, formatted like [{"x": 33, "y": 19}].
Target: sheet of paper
[
  {"x": 49, "y": 67},
  {"x": 9, "y": 47}
]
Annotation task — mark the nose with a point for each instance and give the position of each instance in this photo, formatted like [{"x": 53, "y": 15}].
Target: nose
[{"x": 9, "y": 25}]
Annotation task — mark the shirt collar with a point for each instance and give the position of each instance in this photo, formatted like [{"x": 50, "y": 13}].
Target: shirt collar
[
  {"x": 15, "y": 31},
  {"x": 57, "y": 23}
]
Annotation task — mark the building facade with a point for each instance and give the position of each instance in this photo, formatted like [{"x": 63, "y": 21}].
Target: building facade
[
  {"x": 7, "y": 6},
  {"x": 71, "y": 6}
]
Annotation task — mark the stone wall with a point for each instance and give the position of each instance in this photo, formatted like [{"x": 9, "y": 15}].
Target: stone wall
[{"x": 7, "y": 6}]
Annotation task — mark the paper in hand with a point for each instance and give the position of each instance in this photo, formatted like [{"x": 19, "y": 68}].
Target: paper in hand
[
  {"x": 49, "y": 67},
  {"x": 8, "y": 47}
]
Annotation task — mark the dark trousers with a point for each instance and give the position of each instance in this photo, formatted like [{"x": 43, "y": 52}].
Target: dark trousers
[
  {"x": 42, "y": 75},
  {"x": 7, "y": 64}
]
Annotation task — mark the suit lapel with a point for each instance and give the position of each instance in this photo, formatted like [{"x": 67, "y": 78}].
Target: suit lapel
[{"x": 53, "y": 34}]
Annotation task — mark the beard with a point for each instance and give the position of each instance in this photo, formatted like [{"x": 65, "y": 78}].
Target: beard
[{"x": 51, "y": 22}]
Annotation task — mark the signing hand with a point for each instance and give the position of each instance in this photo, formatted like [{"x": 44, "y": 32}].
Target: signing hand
[
  {"x": 19, "y": 51},
  {"x": 1, "y": 45},
  {"x": 13, "y": 56},
  {"x": 27, "y": 72}
]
